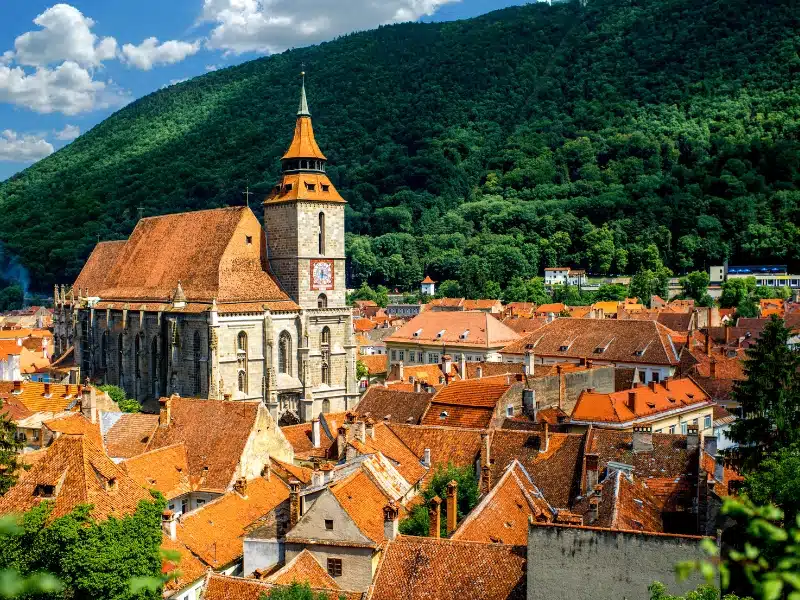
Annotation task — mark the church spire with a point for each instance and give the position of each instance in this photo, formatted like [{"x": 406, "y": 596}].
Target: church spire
[{"x": 303, "y": 110}]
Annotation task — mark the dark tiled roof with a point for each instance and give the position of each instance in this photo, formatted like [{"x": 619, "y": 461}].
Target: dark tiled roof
[
  {"x": 130, "y": 435},
  {"x": 385, "y": 404}
]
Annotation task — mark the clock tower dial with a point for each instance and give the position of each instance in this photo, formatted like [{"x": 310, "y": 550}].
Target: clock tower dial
[{"x": 322, "y": 275}]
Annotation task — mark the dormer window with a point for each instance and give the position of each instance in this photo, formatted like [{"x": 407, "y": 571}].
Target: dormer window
[
  {"x": 288, "y": 187},
  {"x": 111, "y": 485},
  {"x": 464, "y": 335},
  {"x": 310, "y": 186},
  {"x": 441, "y": 333},
  {"x": 325, "y": 187},
  {"x": 44, "y": 490},
  {"x": 443, "y": 415},
  {"x": 417, "y": 333},
  {"x": 248, "y": 239}
]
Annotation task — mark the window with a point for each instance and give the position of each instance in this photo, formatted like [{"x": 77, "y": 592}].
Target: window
[
  {"x": 672, "y": 428},
  {"x": 433, "y": 358},
  {"x": 394, "y": 354},
  {"x": 311, "y": 186},
  {"x": 248, "y": 239},
  {"x": 288, "y": 187},
  {"x": 335, "y": 567},
  {"x": 241, "y": 361},
  {"x": 325, "y": 341},
  {"x": 322, "y": 301},
  {"x": 510, "y": 410},
  {"x": 44, "y": 490},
  {"x": 642, "y": 376},
  {"x": 184, "y": 505},
  {"x": 137, "y": 350},
  {"x": 285, "y": 353},
  {"x": 36, "y": 435},
  {"x": 420, "y": 357},
  {"x": 199, "y": 502},
  {"x": 402, "y": 354},
  {"x": 657, "y": 431},
  {"x": 325, "y": 187},
  {"x": 707, "y": 422},
  {"x": 329, "y": 524},
  {"x": 656, "y": 376},
  {"x": 326, "y": 406},
  {"x": 197, "y": 347},
  {"x": 321, "y": 233},
  {"x": 684, "y": 428}
]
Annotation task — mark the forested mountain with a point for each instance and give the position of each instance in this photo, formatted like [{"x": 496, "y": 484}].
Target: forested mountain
[{"x": 477, "y": 150}]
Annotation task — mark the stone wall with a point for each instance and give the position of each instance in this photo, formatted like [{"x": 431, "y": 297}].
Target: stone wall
[
  {"x": 582, "y": 563},
  {"x": 555, "y": 390},
  {"x": 357, "y": 563}
]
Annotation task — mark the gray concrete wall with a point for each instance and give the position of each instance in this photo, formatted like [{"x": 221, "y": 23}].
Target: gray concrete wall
[
  {"x": 566, "y": 563},
  {"x": 547, "y": 389},
  {"x": 262, "y": 554}
]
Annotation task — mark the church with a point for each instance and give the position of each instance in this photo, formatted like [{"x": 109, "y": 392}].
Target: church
[{"x": 209, "y": 304}]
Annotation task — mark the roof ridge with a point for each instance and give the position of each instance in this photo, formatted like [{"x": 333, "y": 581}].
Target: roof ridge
[{"x": 434, "y": 541}]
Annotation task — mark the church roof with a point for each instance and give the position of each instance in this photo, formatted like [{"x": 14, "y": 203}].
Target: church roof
[
  {"x": 94, "y": 272},
  {"x": 214, "y": 253},
  {"x": 303, "y": 144},
  {"x": 304, "y": 186}
]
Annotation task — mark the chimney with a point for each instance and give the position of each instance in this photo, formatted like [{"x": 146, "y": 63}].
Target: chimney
[
  {"x": 226, "y": 396},
  {"x": 169, "y": 524},
  {"x": 712, "y": 368},
  {"x": 341, "y": 441},
  {"x": 529, "y": 360},
  {"x": 708, "y": 340},
  {"x": 400, "y": 370},
  {"x": 591, "y": 516},
  {"x": 667, "y": 382},
  {"x": 589, "y": 363},
  {"x": 479, "y": 372},
  {"x": 463, "y": 365},
  {"x": 447, "y": 366},
  {"x": 653, "y": 385},
  {"x": 632, "y": 401},
  {"x": 164, "y": 409},
  {"x": 642, "y": 438},
  {"x": 727, "y": 337},
  {"x": 359, "y": 431},
  {"x": 88, "y": 402},
  {"x": 315, "y": 433},
  {"x": 486, "y": 480},
  {"x": 545, "y": 436},
  {"x": 426, "y": 458},
  {"x": 418, "y": 386},
  {"x": 485, "y": 455},
  {"x": 692, "y": 437},
  {"x": 47, "y": 391},
  {"x": 294, "y": 502},
  {"x": 17, "y": 387},
  {"x": 452, "y": 506},
  {"x": 240, "y": 486},
  {"x": 710, "y": 444},
  {"x": 598, "y": 491},
  {"x": 370, "y": 427},
  {"x": 435, "y": 517},
  {"x": 719, "y": 468},
  {"x": 592, "y": 471},
  {"x": 390, "y": 520}
]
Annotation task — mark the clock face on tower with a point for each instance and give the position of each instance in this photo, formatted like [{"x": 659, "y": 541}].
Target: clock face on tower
[{"x": 321, "y": 274}]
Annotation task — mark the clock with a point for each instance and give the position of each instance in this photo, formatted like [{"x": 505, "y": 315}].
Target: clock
[{"x": 321, "y": 274}]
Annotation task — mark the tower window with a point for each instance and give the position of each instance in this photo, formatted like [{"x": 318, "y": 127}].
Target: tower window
[
  {"x": 248, "y": 239},
  {"x": 288, "y": 187},
  {"x": 285, "y": 353},
  {"x": 322, "y": 301},
  {"x": 322, "y": 233},
  {"x": 311, "y": 186},
  {"x": 242, "y": 362},
  {"x": 325, "y": 187}
]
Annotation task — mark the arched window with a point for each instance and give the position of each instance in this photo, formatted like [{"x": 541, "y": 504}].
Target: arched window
[
  {"x": 154, "y": 364},
  {"x": 322, "y": 233},
  {"x": 119, "y": 359},
  {"x": 285, "y": 353},
  {"x": 104, "y": 349},
  {"x": 322, "y": 301},
  {"x": 326, "y": 406},
  {"x": 325, "y": 346},
  {"x": 196, "y": 347},
  {"x": 241, "y": 360},
  {"x": 137, "y": 352}
]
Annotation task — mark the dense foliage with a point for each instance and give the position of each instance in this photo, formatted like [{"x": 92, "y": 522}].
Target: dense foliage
[
  {"x": 418, "y": 522},
  {"x": 658, "y": 591},
  {"x": 91, "y": 559},
  {"x": 475, "y": 151},
  {"x": 297, "y": 591},
  {"x": 10, "y": 448},
  {"x": 117, "y": 394}
]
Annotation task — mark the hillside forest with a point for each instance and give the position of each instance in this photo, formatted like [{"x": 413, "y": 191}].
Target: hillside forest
[{"x": 623, "y": 136}]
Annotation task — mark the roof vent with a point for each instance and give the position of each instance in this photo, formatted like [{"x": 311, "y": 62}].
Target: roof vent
[
  {"x": 464, "y": 335},
  {"x": 417, "y": 333},
  {"x": 441, "y": 333}
]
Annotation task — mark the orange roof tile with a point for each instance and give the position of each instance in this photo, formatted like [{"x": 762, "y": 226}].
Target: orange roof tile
[
  {"x": 165, "y": 470},
  {"x": 304, "y": 568},
  {"x": 93, "y": 275},
  {"x": 648, "y": 401},
  {"x": 455, "y": 445},
  {"x": 364, "y": 502},
  {"x": 62, "y": 397},
  {"x": 375, "y": 363},
  {"x": 228, "y": 587},
  {"x": 482, "y": 330},
  {"x": 214, "y": 533},
  {"x": 75, "y": 424},
  {"x": 730, "y": 477},
  {"x": 390, "y": 405},
  {"x": 482, "y": 304},
  {"x": 287, "y": 471},
  {"x": 392, "y": 447},
  {"x": 556, "y": 308},
  {"x": 363, "y": 325},
  {"x": 130, "y": 434},
  {"x": 75, "y": 471},
  {"x": 422, "y": 568},
  {"x": 428, "y": 279},
  {"x": 185, "y": 571},
  {"x": 314, "y": 187},
  {"x": 303, "y": 143}
]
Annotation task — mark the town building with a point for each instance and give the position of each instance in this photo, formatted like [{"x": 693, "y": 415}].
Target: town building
[
  {"x": 210, "y": 304},
  {"x": 432, "y": 334},
  {"x": 428, "y": 286},
  {"x": 564, "y": 276}
]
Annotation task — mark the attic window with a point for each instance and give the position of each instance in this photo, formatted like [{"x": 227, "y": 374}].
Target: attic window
[
  {"x": 288, "y": 187},
  {"x": 311, "y": 186},
  {"x": 325, "y": 187},
  {"x": 671, "y": 399},
  {"x": 329, "y": 524},
  {"x": 111, "y": 485},
  {"x": 642, "y": 349},
  {"x": 441, "y": 333},
  {"x": 651, "y": 404},
  {"x": 690, "y": 396},
  {"x": 603, "y": 347},
  {"x": 44, "y": 490},
  {"x": 417, "y": 333},
  {"x": 564, "y": 347},
  {"x": 464, "y": 335},
  {"x": 248, "y": 239},
  {"x": 443, "y": 414}
]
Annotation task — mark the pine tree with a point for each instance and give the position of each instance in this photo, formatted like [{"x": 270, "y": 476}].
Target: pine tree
[
  {"x": 769, "y": 397},
  {"x": 10, "y": 448}
]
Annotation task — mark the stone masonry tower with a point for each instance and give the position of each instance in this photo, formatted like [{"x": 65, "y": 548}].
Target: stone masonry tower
[{"x": 304, "y": 222}]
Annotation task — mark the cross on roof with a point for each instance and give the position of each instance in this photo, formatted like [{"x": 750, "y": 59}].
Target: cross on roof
[{"x": 247, "y": 193}]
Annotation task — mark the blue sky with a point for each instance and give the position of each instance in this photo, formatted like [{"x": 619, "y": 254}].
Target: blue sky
[{"x": 64, "y": 67}]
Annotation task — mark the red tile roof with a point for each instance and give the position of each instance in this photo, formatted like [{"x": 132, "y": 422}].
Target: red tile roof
[
  {"x": 392, "y": 447},
  {"x": 447, "y": 444},
  {"x": 364, "y": 502},
  {"x": 375, "y": 363},
  {"x": 440, "y": 569},
  {"x": 482, "y": 330},
  {"x": 75, "y": 424},
  {"x": 130, "y": 435},
  {"x": 304, "y": 568},
  {"x": 165, "y": 470},
  {"x": 227, "y": 587},
  {"x": 385, "y": 404},
  {"x": 93, "y": 275}
]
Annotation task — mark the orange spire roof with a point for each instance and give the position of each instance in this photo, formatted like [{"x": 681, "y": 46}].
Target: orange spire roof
[{"x": 303, "y": 144}]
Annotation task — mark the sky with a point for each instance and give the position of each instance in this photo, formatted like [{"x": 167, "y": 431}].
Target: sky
[{"x": 66, "y": 67}]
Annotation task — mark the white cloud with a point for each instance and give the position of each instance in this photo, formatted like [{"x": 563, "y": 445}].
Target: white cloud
[
  {"x": 212, "y": 67},
  {"x": 65, "y": 35},
  {"x": 69, "y": 88},
  {"x": 23, "y": 148},
  {"x": 69, "y": 133},
  {"x": 150, "y": 53},
  {"x": 275, "y": 25}
]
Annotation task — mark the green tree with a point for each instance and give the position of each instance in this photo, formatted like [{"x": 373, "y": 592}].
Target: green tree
[
  {"x": 117, "y": 394},
  {"x": 526, "y": 290},
  {"x": 11, "y": 298},
  {"x": 611, "y": 292},
  {"x": 449, "y": 289},
  {"x": 296, "y": 591},
  {"x": 417, "y": 523},
  {"x": 776, "y": 480},
  {"x": 363, "y": 293},
  {"x": 382, "y": 296},
  {"x": 362, "y": 372},
  {"x": 647, "y": 283},
  {"x": 737, "y": 291},
  {"x": 769, "y": 396},
  {"x": 10, "y": 448},
  {"x": 492, "y": 290},
  {"x": 658, "y": 591},
  {"x": 694, "y": 285}
]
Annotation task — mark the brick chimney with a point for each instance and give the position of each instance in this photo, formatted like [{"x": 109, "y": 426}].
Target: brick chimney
[
  {"x": 642, "y": 438},
  {"x": 164, "y": 411},
  {"x": 426, "y": 458},
  {"x": 390, "y": 520},
  {"x": 708, "y": 339},
  {"x": 667, "y": 382},
  {"x": 369, "y": 423},
  {"x": 485, "y": 453},
  {"x": 17, "y": 387},
  {"x": 692, "y": 437},
  {"x": 543, "y": 447},
  {"x": 435, "y": 517},
  {"x": 240, "y": 486},
  {"x": 418, "y": 386},
  {"x": 294, "y": 502},
  {"x": 400, "y": 370},
  {"x": 447, "y": 366},
  {"x": 169, "y": 524},
  {"x": 452, "y": 506},
  {"x": 592, "y": 471},
  {"x": 594, "y": 504},
  {"x": 88, "y": 402},
  {"x": 315, "y": 433},
  {"x": 359, "y": 431},
  {"x": 653, "y": 385},
  {"x": 632, "y": 401}
]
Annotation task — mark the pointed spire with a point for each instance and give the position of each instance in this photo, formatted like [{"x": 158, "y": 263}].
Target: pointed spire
[{"x": 303, "y": 110}]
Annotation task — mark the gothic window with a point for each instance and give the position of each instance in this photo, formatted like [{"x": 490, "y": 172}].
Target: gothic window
[
  {"x": 322, "y": 301},
  {"x": 119, "y": 358},
  {"x": 285, "y": 353},
  {"x": 196, "y": 367},
  {"x": 241, "y": 360},
  {"x": 104, "y": 349},
  {"x": 154, "y": 364},
  {"x": 325, "y": 345},
  {"x": 326, "y": 406},
  {"x": 322, "y": 233},
  {"x": 137, "y": 351}
]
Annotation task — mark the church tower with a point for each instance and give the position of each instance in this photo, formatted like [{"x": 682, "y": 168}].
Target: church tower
[{"x": 304, "y": 222}]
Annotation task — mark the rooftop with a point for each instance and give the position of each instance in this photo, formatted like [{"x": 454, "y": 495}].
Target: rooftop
[
  {"x": 165, "y": 470},
  {"x": 457, "y": 328},
  {"x": 385, "y": 404}
]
